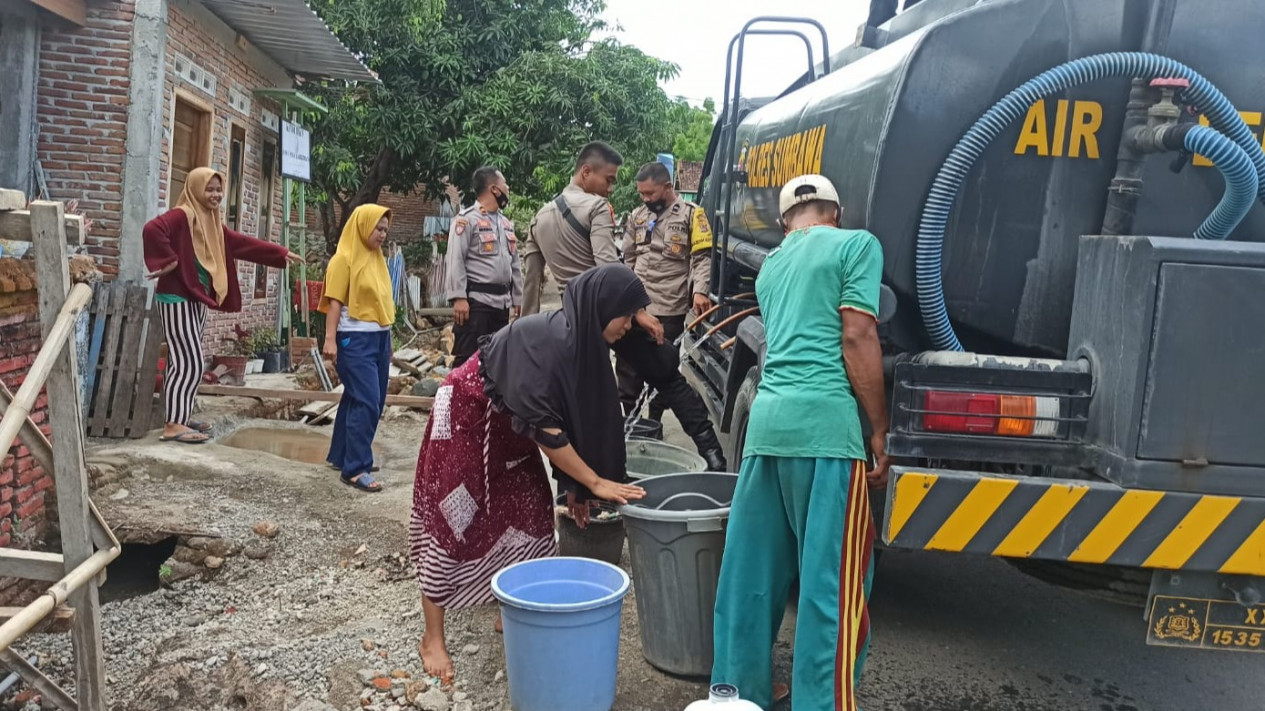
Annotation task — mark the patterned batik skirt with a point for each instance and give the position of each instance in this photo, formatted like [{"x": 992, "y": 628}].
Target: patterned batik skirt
[{"x": 481, "y": 497}]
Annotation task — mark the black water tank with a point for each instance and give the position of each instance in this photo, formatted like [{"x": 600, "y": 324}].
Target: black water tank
[{"x": 881, "y": 126}]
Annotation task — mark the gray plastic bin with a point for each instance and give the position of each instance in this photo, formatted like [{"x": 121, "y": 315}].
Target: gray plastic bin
[
  {"x": 676, "y": 536},
  {"x": 650, "y": 457}
]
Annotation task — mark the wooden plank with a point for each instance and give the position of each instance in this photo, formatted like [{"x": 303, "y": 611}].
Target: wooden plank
[
  {"x": 315, "y": 395},
  {"x": 59, "y": 621},
  {"x": 407, "y": 367},
  {"x": 69, "y": 473},
  {"x": 32, "y": 565},
  {"x": 319, "y": 407},
  {"x": 147, "y": 375},
  {"x": 36, "y": 679},
  {"x": 100, "y": 421},
  {"x": 74, "y": 10},
  {"x": 15, "y": 225},
  {"x": 12, "y": 200},
  {"x": 96, "y": 335},
  {"x": 132, "y": 326}
]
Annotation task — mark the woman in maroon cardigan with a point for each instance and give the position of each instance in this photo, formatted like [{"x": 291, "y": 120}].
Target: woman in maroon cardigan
[{"x": 194, "y": 258}]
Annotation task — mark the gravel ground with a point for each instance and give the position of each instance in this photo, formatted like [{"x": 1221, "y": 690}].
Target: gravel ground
[{"x": 332, "y": 604}]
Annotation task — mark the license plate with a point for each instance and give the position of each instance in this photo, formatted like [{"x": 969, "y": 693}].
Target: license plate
[{"x": 1206, "y": 624}]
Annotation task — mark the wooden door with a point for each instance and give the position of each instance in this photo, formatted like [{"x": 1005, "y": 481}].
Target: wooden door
[{"x": 190, "y": 144}]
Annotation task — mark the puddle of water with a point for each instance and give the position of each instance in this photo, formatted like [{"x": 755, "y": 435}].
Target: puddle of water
[{"x": 295, "y": 445}]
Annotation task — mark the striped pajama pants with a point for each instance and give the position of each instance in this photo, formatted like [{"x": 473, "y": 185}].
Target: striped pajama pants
[
  {"x": 183, "y": 325},
  {"x": 807, "y": 518}
]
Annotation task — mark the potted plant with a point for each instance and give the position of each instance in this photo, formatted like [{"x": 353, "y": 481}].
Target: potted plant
[
  {"x": 234, "y": 357},
  {"x": 265, "y": 345}
]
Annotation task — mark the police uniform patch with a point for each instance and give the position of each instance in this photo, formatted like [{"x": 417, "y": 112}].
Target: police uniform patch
[
  {"x": 485, "y": 224},
  {"x": 676, "y": 209},
  {"x": 459, "y": 227}
]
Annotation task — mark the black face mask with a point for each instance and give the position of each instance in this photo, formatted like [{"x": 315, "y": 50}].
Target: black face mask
[
  {"x": 502, "y": 200},
  {"x": 657, "y": 206}
]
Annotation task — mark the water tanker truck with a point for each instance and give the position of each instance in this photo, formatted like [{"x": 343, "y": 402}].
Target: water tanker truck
[{"x": 1069, "y": 198}]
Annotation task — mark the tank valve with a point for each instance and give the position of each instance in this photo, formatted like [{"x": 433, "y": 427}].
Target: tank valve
[{"x": 1166, "y": 110}]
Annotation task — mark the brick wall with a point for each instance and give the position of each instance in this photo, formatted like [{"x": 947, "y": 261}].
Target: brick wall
[
  {"x": 408, "y": 213},
  {"x": 189, "y": 36},
  {"x": 27, "y": 508},
  {"x": 82, "y": 115}
]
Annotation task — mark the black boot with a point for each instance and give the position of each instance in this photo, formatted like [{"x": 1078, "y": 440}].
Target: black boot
[{"x": 715, "y": 460}]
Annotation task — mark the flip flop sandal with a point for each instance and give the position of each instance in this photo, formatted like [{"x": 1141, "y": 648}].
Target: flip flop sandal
[
  {"x": 364, "y": 482},
  {"x": 190, "y": 437},
  {"x": 200, "y": 426},
  {"x": 375, "y": 468}
]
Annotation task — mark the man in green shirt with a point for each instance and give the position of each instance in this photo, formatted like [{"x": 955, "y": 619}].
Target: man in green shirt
[{"x": 801, "y": 509}]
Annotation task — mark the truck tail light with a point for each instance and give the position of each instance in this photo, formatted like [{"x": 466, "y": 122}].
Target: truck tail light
[{"x": 990, "y": 414}]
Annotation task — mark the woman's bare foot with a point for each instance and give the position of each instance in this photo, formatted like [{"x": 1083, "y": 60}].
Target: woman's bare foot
[
  {"x": 179, "y": 433},
  {"x": 435, "y": 659}
]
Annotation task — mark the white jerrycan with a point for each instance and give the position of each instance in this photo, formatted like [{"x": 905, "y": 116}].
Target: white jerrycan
[{"x": 722, "y": 697}]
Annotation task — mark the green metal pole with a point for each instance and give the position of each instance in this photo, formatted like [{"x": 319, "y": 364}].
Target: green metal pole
[{"x": 307, "y": 308}]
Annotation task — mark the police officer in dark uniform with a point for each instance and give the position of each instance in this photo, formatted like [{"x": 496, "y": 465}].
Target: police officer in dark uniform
[{"x": 484, "y": 280}]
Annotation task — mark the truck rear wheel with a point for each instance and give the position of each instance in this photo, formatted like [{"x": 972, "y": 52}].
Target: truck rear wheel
[
  {"x": 1124, "y": 586},
  {"x": 742, "y": 413}
]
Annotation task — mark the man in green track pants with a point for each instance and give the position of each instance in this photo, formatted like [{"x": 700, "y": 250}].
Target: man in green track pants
[{"x": 801, "y": 509}]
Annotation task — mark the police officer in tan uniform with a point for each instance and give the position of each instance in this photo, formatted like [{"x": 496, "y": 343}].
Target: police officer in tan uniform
[
  {"x": 576, "y": 231},
  {"x": 668, "y": 244},
  {"x": 484, "y": 280}
]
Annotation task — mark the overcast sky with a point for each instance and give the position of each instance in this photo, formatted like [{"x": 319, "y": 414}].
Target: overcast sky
[{"x": 695, "y": 35}]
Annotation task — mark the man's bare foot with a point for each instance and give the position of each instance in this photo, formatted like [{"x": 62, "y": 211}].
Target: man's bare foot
[
  {"x": 435, "y": 659},
  {"x": 780, "y": 692},
  {"x": 499, "y": 626}
]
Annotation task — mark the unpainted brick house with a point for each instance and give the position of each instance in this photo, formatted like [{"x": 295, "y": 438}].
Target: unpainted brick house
[
  {"x": 112, "y": 103},
  {"x": 117, "y": 100}
]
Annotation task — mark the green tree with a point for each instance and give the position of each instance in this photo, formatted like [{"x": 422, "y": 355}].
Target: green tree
[
  {"x": 693, "y": 129},
  {"x": 516, "y": 83}
]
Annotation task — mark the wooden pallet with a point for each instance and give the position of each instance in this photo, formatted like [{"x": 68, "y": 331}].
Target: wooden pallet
[{"x": 122, "y": 361}]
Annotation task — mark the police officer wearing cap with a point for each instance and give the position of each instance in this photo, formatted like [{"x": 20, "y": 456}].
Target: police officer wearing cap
[
  {"x": 668, "y": 244},
  {"x": 484, "y": 280}
]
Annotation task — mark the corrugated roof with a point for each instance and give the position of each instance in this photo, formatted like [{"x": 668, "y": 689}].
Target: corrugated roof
[{"x": 293, "y": 35}]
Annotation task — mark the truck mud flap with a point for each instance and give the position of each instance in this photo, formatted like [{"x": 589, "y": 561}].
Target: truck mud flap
[{"x": 1071, "y": 520}]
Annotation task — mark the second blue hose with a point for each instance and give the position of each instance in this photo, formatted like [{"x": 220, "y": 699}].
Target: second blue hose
[
  {"x": 935, "y": 217},
  {"x": 1241, "y": 180}
]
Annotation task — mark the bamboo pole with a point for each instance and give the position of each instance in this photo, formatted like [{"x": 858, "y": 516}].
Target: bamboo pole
[
  {"x": 17, "y": 412},
  {"x": 30, "y": 616}
]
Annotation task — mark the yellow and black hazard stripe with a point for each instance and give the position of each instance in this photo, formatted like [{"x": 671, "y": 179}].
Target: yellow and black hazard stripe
[{"x": 1076, "y": 521}]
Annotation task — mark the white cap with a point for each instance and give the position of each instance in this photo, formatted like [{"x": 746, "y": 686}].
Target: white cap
[{"x": 807, "y": 188}]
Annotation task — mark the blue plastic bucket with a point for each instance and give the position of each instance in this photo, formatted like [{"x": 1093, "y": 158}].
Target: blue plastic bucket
[{"x": 561, "y": 619}]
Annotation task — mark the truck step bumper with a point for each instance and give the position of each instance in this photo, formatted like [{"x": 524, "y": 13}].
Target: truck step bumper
[{"x": 1078, "y": 521}]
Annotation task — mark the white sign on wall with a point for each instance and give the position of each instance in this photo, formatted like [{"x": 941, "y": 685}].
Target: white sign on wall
[{"x": 296, "y": 152}]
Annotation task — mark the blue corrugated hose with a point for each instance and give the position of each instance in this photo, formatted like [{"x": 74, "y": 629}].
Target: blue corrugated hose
[
  {"x": 935, "y": 217},
  {"x": 1241, "y": 180}
]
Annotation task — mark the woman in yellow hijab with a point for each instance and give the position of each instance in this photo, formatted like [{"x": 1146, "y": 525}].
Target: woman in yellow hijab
[
  {"x": 359, "y": 312},
  {"x": 194, "y": 258}
]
